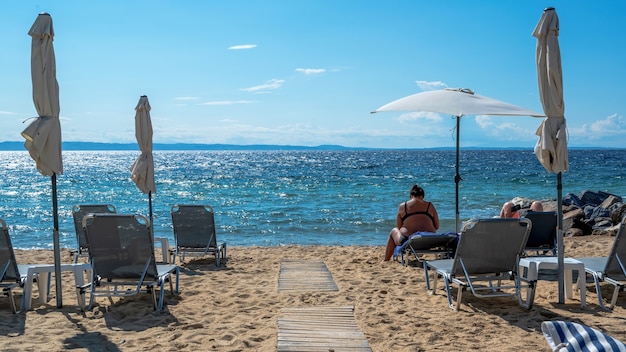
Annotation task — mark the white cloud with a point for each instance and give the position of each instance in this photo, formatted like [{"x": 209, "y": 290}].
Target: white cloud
[
  {"x": 609, "y": 132},
  {"x": 503, "y": 128},
  {"x": 228, "y": 102},
  {"x": 6, "y": 113},
  {"x": 242, "y": 47},
  {"x": 311, "y": 71},
  {"x": 611, "y": 126},
  {"x": 426, "y": 85},
  {"x": 420, "y": 115},
  {"x": 484, "y": 122},
  {"x": 271, "y": 84}
]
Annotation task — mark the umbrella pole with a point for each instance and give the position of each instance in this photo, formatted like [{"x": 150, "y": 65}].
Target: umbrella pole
[
  {"x": 457, "y": 176},
  {"x": 559, "y": 237},
  {"x": 55, "y": 239},
  {"x": 150, "y": 209}
]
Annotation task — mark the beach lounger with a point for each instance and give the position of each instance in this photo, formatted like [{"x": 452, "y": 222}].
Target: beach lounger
[
  {"x": 121, "y": 252},
  {"x": 542, "y": 237},
  {"x": 565, "y": 336},
  {"x": 12, "y": 275},
  {"x": 611, "y": 269},
  {"x": 194, "y": 232},
  {"x": 78, "y": 212},
  {"x": 424, "y": 243},
  {"x": 487, "y": 254}
]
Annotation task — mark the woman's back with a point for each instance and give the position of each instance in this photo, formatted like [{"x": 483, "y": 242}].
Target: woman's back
[{"x": 418, "y": 215}]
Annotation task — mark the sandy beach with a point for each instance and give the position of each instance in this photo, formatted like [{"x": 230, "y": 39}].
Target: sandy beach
[{"x": 236, "y": 307}]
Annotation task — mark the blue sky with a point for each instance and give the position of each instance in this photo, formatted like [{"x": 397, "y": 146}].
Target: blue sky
[{"x": 309, "y": 72}]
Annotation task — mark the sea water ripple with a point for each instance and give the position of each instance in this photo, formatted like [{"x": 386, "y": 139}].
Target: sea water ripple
[{"x": 270, "y": 198}]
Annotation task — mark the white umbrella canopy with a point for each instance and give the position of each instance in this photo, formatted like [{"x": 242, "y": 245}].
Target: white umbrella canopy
[
  {"x": 142, "y": 170},
  {"x": 457, "y": 102},
  {"x": 43, "y": 136},
  {"x": 551, "y": 148}
]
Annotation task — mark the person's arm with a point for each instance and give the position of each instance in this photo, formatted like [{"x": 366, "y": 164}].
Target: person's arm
[
  {"x": 399, "y": 216},
  {"x": 435, "y": 217}
]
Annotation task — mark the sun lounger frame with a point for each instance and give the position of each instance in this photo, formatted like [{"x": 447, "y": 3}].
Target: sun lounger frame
[{"x": 474, "y": 267}]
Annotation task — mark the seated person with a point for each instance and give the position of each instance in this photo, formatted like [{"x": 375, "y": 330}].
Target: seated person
[
  {"x": 510, "y": 210},
  {"x": 536, "y": 206},
  {"x": 414, "y": 215}
]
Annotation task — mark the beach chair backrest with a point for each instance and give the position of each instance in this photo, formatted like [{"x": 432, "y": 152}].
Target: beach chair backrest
[
  {"x": 120, "y": 246},
  {"x": 79, "y": 211},
  {"x": 8, "y": 264},
  {"x": 194, "y": 226},
  {"x": 491, "y": 245},
  {"x": 543, "y": 232},
  {"x": 616, "y": 262}
]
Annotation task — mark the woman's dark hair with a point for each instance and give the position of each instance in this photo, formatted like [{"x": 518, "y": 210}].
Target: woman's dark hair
[{"x": 417, "y": 191}]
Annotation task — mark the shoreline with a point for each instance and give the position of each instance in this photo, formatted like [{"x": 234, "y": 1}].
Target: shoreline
[{"x": 236, "y": 307}]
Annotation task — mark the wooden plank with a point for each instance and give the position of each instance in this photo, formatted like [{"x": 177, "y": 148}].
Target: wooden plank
[
  {"x": 320, "y": 329},
  {"x": 305, "y": 275}
]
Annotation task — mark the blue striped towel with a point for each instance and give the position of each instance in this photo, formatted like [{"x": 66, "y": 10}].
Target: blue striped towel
[
  {"x": 565, "y": 336},
  {"x": 446, "y": 239}
]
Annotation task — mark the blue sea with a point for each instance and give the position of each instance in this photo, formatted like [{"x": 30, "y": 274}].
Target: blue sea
[{"x": 271, "y": 198}]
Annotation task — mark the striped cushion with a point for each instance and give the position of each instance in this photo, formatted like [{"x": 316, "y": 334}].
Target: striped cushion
[{"x": 567, "y": 336}]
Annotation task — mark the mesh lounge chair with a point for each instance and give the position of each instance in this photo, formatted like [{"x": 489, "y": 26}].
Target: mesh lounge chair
[
  {"x": 542, "y": 237},
  {"x": 12, "y": 275},
  {"x": 611, "y": 269},
  {"x": 194, "y": 232},
  {"x": 423, "y": 243},
  {"x": 487, "y": 253},
  {"x": 78, "y": 212},
  {"x": 121, "y": 251}
]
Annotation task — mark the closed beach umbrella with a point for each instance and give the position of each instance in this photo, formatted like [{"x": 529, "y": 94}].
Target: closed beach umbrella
[
  {"x": 43, "y": 136},
  {"x": 457, "y": 102},
  {"x": 551, "y": 148},
  {"x": 142, "y": 170}
]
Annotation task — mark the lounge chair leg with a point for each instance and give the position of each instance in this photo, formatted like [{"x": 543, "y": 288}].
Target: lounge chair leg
[
  {"x": 9, "y": 293},
  {"x": 530, "y": 294},
  {"x": 449, "y": 295},
  {"x": 434, "y": 284},
  {"x": 614, "y": 298},
  {"x": 459, "y": 297},
  {"x": 152, "y": 291},
  {"x": 177, "y": 271},
  {"x": 80, "y": 296},
  {"x": 596, "y": 279}
]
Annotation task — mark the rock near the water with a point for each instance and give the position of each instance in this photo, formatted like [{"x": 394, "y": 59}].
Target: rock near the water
[{"x": 597, "y": 213}]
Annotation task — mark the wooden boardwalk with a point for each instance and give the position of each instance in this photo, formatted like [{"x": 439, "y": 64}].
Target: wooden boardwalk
[
  {"x": 320, "y": 329},
  {"x": 305, "y": 275}
]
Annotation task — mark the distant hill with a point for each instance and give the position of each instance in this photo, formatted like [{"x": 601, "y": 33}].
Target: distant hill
[
  {"x": 9, "y": 146},
  {"x": 19, "y": 146}
]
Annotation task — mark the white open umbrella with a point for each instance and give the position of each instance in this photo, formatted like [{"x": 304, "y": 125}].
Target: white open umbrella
[
  {"x": 551, "y": 149},
  {"x": 458, "y": 102},
  {"x": 43, "y": 136},
  {"x": 142, "y": 170}
]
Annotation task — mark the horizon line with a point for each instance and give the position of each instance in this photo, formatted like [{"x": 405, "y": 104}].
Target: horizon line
[{"x": 118, "y": 146}]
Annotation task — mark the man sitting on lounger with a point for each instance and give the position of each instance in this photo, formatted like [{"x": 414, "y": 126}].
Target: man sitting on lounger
[
  {"x": 510, "y": 209},
  {"x": 414, "y": 215}
]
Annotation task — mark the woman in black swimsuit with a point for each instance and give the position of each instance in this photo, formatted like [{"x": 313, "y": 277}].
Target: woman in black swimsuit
[{"x": 414, "y": 215}]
